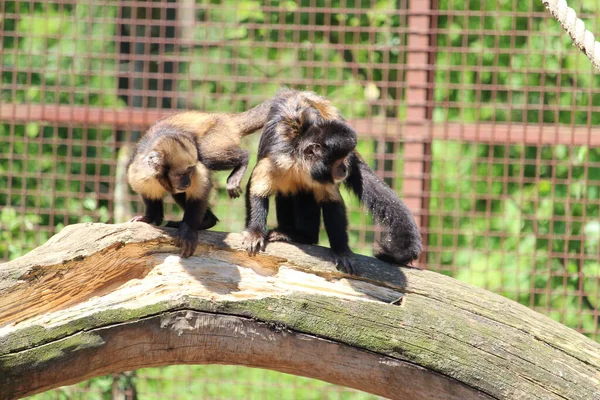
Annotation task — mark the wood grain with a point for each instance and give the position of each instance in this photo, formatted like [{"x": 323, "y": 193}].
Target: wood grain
[{"x": 98, "y": 299}]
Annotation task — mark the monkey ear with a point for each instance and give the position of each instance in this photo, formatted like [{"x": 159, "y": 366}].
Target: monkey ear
[
  {"x": 155, "y": 160},
  {"x": 312, "y": 150}
]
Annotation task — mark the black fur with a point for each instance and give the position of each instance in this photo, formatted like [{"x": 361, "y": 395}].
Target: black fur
[
  {"x": 321, "y": 142},
  {"x": 257, "y": 209},
  {"x": 336, "y": 225},
  {"x": 210, "y": 139},
  {"x": 208, "y": 221},
  {"x": 154, "y": 211},
  {"x": 187, "y": 232},
  {"x": 256, "y": 220},
  {"x": 297, "y": 128},
  {"x": 401, "y": 243},
  {"x": 298, "y": 218},
  {"x": 195, "y": 215}
]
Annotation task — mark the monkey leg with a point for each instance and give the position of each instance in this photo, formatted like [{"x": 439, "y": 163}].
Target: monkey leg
[
  {"x": 154, "y": 213},
  {"x": 231, "y": 157},
  {"x": 207, "y": 222},
  {"x": 298, "y": 219},
  {"x": 336, "y": 225},
  {"x": 257, "y": 210}
]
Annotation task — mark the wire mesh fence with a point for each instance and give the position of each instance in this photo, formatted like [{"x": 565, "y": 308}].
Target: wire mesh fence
[{"x": 481, "y": 115}]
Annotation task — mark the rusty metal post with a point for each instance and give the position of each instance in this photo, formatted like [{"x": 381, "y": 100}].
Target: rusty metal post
[{"x": 420, "y": 60}]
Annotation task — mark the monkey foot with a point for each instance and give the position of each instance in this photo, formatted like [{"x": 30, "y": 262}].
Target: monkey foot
[
  {"x": 140, "y": 218},
  {"x": 254, "y": 241}
]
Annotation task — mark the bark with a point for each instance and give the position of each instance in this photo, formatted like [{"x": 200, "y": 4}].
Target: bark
[{"x": 98, "y": 299}]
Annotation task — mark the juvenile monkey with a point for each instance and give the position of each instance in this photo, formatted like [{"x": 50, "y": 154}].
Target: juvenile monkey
[
  {"x": 305, "y": 152},
  {"x": 177, "y": 155}
]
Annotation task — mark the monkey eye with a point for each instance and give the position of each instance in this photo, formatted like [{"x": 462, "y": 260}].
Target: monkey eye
[{"x": 190, "y": 170}]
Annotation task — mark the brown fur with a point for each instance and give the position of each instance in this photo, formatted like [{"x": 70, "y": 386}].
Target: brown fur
[
  {"x": 211, "y": 132},
  {"x": 177, "y": 155},
  {"x": 145, "y": 179},
  {"x": 306, "y": 151},
  {"x": 287, "y": 174},
  {"x": 293, "y": 165},
  {"x": 188, "y": 138}
]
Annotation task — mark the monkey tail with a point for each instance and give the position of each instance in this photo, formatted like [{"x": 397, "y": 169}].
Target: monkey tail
[
  {"x": 253, "y": 119},
  {"x": 401, "y": 244}
]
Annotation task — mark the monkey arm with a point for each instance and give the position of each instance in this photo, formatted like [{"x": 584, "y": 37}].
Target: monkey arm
[
  {"x": 336, "y": 225},
  {"x": 257, "y": 210},
  {"x": 193, "y": 217},
  {"x": 234, "y": 180},
  {"x": 154, "y": 213},
  {"x": 229, "y": 158},
  {"x": 256, "y": 225}
]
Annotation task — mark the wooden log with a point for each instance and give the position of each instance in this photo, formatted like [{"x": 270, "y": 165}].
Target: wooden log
[{"x": 98, "y": 299}]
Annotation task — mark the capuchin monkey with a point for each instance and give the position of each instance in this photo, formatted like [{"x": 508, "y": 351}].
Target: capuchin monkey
[
  {"x": 305, "y": 152},
  {"x": 177, "y": 155}
]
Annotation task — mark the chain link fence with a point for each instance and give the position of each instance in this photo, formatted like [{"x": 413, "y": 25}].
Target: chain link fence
[{"x": 481, "y": 115}]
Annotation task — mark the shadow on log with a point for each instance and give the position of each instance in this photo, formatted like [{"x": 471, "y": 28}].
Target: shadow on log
[{"x": 98, "y": 299}]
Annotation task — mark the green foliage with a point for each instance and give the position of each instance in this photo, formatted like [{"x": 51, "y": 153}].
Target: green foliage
[
  {"x": 17, "y": 231},
  {"x": 519, "y": 243},
  {"x": 205, "y": 381},
  {"x": 48, "y": 52},
  {"x": 481, "y": 52}
]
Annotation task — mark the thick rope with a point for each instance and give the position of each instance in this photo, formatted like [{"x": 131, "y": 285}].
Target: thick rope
[{"x": 583, "y": 38}]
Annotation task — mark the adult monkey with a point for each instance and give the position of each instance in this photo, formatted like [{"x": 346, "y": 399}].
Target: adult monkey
[{"x": 305, "y": 152}]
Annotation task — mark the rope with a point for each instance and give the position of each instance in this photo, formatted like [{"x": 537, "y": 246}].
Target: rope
[{"x": 575, "y": 27}]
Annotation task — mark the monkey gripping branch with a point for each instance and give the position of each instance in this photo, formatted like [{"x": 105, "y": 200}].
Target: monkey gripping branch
[{"x": 98, "y": 299}]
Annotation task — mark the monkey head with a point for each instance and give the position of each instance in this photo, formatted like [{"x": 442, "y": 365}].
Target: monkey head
[
  {"x": 326, "y": 148},
  {"x": 174, "y": 170}
]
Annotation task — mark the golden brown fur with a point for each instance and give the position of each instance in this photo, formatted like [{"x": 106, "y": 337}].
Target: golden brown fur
[
  {"x": 286, "y": 174},
  {"x": 190, "y": 137},
  {"x": 176, "y": 156},
  {"x": 306, "y": 151},
  {"x": 292, "y": 166}
]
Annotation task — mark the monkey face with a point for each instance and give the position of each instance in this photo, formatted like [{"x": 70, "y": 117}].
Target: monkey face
[
  {"x": 327, "y": 149},
  {"x": 174, "y": 170},
  {"x": 339, "y": 171},
  {"x": 330, "y": 172},
  {"x": 181, "y": 179}
]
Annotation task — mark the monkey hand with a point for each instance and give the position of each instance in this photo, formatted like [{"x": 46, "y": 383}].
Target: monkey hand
[
  {"x": 147, "y": 219},
  {"x": 343, "y": 263},
  {"x": 254, "y": 241},
  {"x": 140, "y": 218},
  {"x": 276, "y": 235},
  {"x": 234, "y": 189},
  {"x": 187, "y": 239}
]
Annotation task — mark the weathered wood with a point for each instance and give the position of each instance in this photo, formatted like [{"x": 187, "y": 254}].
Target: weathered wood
[{"x": 98, "y": 299}]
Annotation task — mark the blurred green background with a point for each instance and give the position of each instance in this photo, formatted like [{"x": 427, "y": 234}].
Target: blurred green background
[{"x": 520, "y": 220}]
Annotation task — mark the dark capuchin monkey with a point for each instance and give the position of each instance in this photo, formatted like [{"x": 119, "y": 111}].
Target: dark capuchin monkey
[
  {"x": 177, "y": 155},
  {"x": 305, "y": 152}
]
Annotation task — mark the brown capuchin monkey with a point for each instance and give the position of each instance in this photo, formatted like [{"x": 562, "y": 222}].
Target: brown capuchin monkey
[
  {"x": 177, "y": 155},
  {"x": 305, "y": 152}
]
